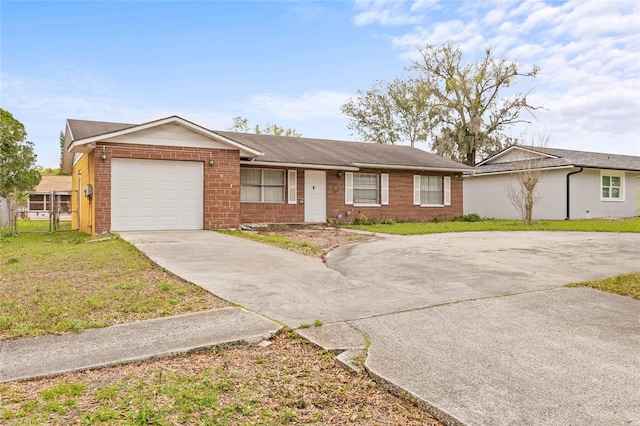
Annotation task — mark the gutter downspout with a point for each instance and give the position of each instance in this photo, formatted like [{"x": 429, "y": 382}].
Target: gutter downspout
[{"x": 568, "y": 180}]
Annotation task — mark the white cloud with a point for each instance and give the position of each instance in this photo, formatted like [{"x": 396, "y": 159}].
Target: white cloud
[
  {"x": 588, "y": 52},
  {"x": 388, "y": 12},
  {"x": 310, "y": 105}
]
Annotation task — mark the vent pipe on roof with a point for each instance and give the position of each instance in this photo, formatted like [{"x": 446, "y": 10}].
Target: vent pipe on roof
[{"x": 568, "y": 199}]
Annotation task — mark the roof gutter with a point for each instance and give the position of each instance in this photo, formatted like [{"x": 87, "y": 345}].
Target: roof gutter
[
  {"x": 298, "y": 165},
  {"x": 568, "y": 181},
  {"x": 397, "y": 167}
]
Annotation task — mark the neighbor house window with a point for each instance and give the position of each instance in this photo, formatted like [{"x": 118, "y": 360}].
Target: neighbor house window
[
  {"x": 37, "y": 202},
  {"x": 366, "y": 188},
  {"x": 261, "y": 186},
  {"x": 612, "y": 186},
  {"x": 431, "y": 190}
]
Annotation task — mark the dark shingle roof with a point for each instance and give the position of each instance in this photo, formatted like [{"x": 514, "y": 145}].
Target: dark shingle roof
[
  {"x": 320, "y": 152},
  {"x": 568, "y": 158},
  {"x": 82, "y": 129},
  {"x": 284, "y": 149}
]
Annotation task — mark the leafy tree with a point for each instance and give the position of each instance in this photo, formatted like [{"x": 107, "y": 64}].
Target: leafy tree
[
  {"x": 461, "y": 108},
  {"x": 390, "y": 113},
  {"x": 241, "y": 124},
  {"x": 50, "y": 171},
  {"x": 18, "y": 171}
]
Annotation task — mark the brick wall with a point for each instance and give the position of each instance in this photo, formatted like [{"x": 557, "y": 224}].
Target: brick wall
[
  {"x": 221, "y": 182},
  {"x": 276, "y": 212},
  {"x": 400, "y": 202},
  {"x": 400, "y": 206},
  {"x": 222, "y": 207}
]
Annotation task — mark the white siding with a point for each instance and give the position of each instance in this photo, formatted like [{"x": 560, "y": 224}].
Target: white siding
[
  {"x": 169, "y": 135},
  {"x": 486, "y": 196}
]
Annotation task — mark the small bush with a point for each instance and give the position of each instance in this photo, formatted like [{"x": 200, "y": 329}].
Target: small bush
[
  {"x": 471, "y": 217},
  {"x": 363, "y": 220}
]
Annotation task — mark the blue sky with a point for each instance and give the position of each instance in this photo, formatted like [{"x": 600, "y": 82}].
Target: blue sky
[{"x": 294, "y": 63}]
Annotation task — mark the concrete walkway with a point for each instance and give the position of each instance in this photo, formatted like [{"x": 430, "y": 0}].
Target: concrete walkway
[{"x": 94, "y": 348}]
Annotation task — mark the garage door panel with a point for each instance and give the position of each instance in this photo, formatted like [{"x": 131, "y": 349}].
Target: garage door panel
[{"x": 156, "y": 195}]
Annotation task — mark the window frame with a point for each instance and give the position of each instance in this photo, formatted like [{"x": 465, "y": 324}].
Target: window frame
[
  {"x": 445, "y": 191},
  {"x": 262, "y": 186},
  {"x": 382, "y": 189},
  {"x": 611, "y": 174}
]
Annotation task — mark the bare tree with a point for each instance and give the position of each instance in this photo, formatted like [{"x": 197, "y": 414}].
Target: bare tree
[
  {"x": 527, "y": 166},
  {"x": 469, "y": 107},
  {"x": 462, "y": 108}
]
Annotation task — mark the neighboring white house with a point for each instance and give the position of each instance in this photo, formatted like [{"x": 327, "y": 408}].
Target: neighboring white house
[{"x": 573, "y": 185}]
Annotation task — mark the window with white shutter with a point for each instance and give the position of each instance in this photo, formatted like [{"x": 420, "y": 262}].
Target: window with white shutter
[
  {"x": 292, "y": 187},
  {"x": 447, "y": 190},
  {"x": 431, "y": 191},
  {"x": 384, "y": 189},
  {"x": 348, "y": 188}
]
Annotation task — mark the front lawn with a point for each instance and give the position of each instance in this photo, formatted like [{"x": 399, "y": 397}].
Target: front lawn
[
  {"x": 66, "y": 282},
  {"x": 592, "y": 225}
]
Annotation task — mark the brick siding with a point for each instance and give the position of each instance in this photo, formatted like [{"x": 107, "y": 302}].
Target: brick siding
[
  {"x": 222, "y": 206},
  {"x": 221, "y": 184},
  {"x": 400, "y": 207}
]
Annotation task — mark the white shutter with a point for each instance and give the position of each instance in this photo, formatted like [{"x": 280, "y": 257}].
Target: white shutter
[
  {"x": 447, "y": 190},
  {"x": 416, "y": 190},
  {"x": 348, "y": 188},
  {"x": 384, "y": 193},
  {"x": 293, "y": 186}
]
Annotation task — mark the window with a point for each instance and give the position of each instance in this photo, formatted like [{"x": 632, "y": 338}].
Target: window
[
  {"x": 612, "y": 186},
  {"x": 261, "y": 186},
  {"x": 431, "y": 190},
  {"x": 366, "y": 188},
  {"x": 38, "y": 202}
]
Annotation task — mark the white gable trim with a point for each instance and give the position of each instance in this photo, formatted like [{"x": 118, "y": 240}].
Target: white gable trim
[
  {"x": 91, "y": 141},
  {"x": 512, "y": 148}
]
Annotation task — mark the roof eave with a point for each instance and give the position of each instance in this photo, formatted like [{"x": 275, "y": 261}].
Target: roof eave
[
  {"x": 298, "y": 165},
  {"x": 477, "y": 172},
  {"x": 417, "y": 168}
]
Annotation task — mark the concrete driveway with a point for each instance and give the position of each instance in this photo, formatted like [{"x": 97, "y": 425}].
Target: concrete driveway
[{"x": 439, "y": 328}]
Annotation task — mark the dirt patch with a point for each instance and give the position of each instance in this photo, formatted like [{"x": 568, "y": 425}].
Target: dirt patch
[{"x": 326, "y": 239}]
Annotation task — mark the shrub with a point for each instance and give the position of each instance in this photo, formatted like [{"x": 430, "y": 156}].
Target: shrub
[{"x": 471, "y": 217}]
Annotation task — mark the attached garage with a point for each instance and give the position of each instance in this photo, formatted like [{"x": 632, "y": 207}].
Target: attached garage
[{"x": 156, "y": 195}]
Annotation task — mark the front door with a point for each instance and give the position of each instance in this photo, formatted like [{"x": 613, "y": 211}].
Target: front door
[{"x": 315, "y": 196}]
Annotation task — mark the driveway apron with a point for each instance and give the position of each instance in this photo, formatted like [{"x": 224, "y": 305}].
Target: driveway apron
[{"x": 433, "y": 311}]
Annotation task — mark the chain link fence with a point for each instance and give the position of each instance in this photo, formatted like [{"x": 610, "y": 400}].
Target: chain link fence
[
  {"x": 38, "y": 212},
  {"x": 5, "y": 216}
]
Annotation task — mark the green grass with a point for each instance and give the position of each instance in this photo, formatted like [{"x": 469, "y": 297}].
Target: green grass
[
  {"x": 39, "y": 226},
  {"x": 290, "y": 382},
  {"x": 63, "y": 282},
  {"x": 276, "y": 241},
  {"x": 593, "y": 225},
  {"x": 626, "y": 285}
]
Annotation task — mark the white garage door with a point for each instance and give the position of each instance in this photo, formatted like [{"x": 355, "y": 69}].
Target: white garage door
[{"x": 155, "y": 195}]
